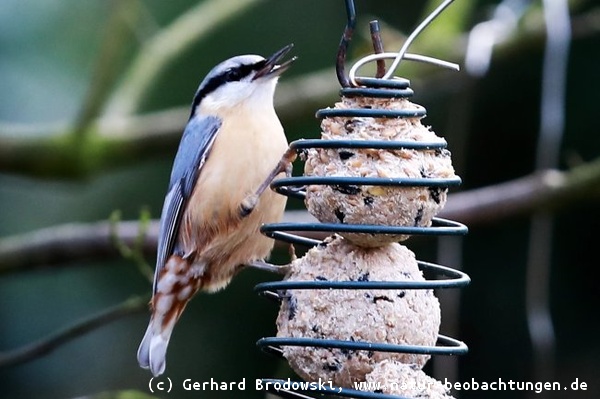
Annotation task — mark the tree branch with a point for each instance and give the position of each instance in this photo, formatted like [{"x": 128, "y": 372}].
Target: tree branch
[
  {"x": 46, "y": 345},
  {"x": 552, "y": 190},
  {"x": 70, "y": 242},
  {"x": 51, "y": 150}
]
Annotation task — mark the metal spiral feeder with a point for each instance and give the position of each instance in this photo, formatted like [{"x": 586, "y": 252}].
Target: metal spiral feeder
[{"x": 437, "y": 276}]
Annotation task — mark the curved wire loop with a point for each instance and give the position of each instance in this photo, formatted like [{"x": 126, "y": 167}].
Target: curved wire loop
[{"x": 352, "y": 80}]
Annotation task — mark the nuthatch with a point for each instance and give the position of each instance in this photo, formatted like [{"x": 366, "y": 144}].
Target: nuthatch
[{"x": 217, "y": 200}]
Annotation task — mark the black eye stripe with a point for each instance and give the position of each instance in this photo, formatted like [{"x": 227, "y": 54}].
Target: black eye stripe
[
  {"x": 232, "y": 75},
  {"x": 238, "y": 73}
]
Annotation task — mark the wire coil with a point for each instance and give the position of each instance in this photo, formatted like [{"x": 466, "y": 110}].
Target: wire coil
[
  {"x": 436, "y": 276},
  {"x": 293, "y": 187}
]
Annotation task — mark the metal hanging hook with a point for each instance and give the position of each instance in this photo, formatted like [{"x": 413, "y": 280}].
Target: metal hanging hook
[
  {"x": 340, "y": 65},
  {"x": 353, "y": 80},
  {"x": 377, "y": 47}
]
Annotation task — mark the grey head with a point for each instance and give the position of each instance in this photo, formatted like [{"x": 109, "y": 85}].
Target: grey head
[{"x": 240, "y": 72}]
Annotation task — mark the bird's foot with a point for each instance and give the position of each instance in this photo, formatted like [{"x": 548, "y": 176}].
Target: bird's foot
[
  {"x": 269, "y": 267},
  {"x": 284, "y": 165},
  {"x": 248, "y": 205}
]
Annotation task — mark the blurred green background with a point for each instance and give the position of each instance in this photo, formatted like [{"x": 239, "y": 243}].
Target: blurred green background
[{"x": 53, "y": 54}]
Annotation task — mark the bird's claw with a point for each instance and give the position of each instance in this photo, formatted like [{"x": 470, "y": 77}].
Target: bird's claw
[
  {"x": 284, "y": 165},
  {"x": 269, "y": 267},
  {"x": 248, "y": 205}
]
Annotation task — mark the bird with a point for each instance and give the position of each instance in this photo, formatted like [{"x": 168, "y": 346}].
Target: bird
[{"x": 216, "y": 200}]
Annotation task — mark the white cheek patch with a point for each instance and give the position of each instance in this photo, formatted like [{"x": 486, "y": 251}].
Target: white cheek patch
[{"x": 228, "y": 96}]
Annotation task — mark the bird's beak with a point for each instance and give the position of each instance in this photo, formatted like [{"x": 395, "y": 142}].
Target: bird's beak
[{"x": 271, "y": 68}]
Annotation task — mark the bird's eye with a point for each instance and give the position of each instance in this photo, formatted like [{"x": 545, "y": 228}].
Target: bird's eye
[{"x": 233, "y": 75}]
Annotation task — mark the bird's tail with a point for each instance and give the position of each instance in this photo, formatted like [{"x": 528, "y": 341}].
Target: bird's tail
[
  {"x": 169, "y": 300},
  {"x": 153, "y": 349}
]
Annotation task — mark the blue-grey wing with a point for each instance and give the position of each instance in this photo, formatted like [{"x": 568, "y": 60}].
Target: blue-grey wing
[{"x": 194, "y": 148}]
